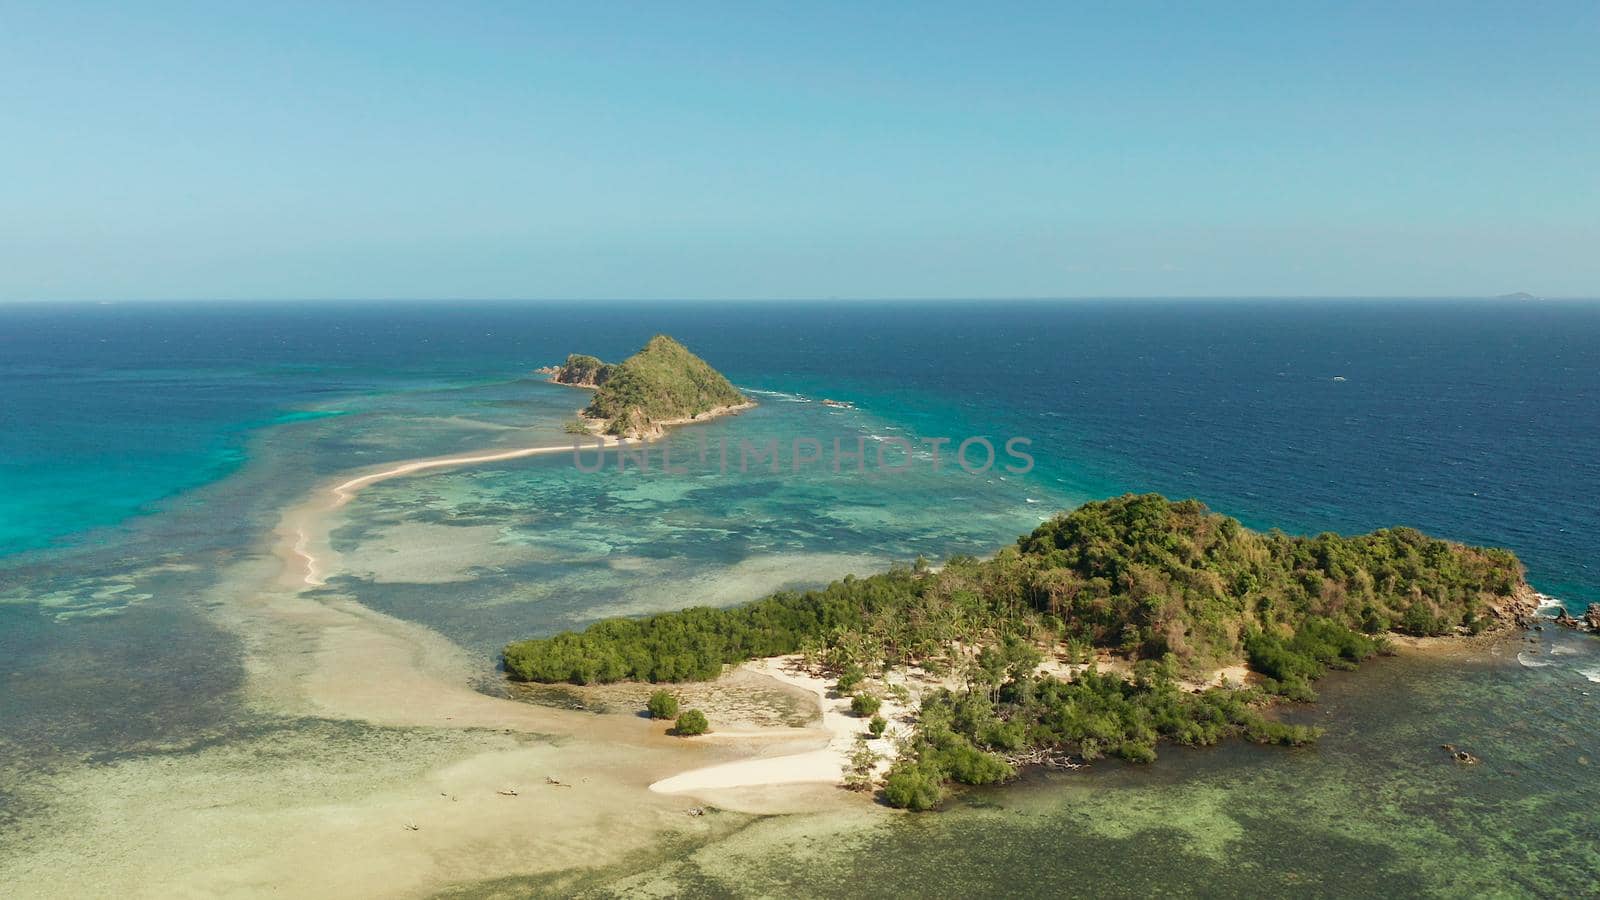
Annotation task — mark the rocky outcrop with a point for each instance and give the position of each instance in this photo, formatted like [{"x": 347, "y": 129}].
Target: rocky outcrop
[
  {"x": 580, "y": 371},
  {"x": 1589, "y": 623},
  {"x": 1519, "y": 610}
]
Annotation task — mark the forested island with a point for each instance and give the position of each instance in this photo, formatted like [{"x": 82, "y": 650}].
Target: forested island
[
  {"x": 1172, "y": 590},
  {"x": 663, "y": 384}
]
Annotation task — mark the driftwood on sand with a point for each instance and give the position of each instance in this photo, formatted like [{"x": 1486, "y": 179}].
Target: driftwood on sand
[{"x": 1049, "y": 757}]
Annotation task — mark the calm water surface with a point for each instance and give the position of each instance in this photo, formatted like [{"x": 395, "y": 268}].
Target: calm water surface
[{"x": 143, "y": 448}]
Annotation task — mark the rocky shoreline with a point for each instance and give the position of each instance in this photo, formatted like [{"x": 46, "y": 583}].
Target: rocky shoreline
[
  {"x": 1520, "y": 609},
  {"x": 1523, "y": 610},
  {"x": 1589, "y": 622}
]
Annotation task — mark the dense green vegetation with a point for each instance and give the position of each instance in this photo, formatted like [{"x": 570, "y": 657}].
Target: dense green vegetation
[
  {"x": 865, "y": 705},
  {"x": 662, "y": 382},
  {"x": 964, "y": 735},
  {"x": 691, "y": 723},
  {"x": 1139, "y": 575},
  {"x": 584, "y": 370},
  {"x": 1172, "y": 587},
  {"x": 663, "y": 705},
  {"x": 694, "y": 644},
  {"x": 1154, "y": 577},
  {"x": 914, "y": 787},
  {"x": 1290, "y": 665}
]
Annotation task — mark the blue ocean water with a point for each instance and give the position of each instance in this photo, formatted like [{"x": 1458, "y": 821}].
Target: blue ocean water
[
  {"x": 1470, "y": 419},
  {"x": 147, "y": 452}
]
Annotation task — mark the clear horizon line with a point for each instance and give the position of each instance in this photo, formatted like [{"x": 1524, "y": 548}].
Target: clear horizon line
[{"x": 1004, "y": 298}]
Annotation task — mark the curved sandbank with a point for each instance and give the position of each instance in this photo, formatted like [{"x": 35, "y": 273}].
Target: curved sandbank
[
  {"x": 302, "y": 533},
  {"x": 367, "y": 665},
  {"x": 481, "y": 808},
  {"x": 439, "y": 784}
]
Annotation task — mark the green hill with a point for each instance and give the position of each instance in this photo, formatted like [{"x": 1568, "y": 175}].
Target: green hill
[
  {"x": 1139, "y": 575},
  {"x": 1172, "y": 588},
  {"x": 661, "y": 383}
]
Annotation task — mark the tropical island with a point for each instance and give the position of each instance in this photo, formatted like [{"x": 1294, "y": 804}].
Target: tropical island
[
  {"x": 663, "y": 384},
  {"x": 1106, "y": 631}
]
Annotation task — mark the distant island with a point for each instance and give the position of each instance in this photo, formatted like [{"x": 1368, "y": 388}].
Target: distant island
[
  {"x": 1107, "y": 630},
  {"x": 1519, "y": 295},
  {"x": 663, "y": 384}
]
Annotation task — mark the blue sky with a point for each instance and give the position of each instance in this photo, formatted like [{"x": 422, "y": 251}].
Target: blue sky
[{"x": 745, "y": 150}]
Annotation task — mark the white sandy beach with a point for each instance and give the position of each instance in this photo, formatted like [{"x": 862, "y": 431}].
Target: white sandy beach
[
  {"x": 825, "y": 764},
  {"x": 843, "y": 732}
]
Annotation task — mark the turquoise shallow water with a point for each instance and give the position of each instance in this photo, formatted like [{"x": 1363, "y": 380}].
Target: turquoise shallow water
[
  {"x": 148, "y": 448},
  {"x": 541, "y": 544},
  {"x": 1474, "y": 420}
]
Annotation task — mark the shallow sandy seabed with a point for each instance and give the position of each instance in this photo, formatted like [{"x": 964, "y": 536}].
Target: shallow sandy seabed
[
  {"x": 756, "y": 576},
  {"x": 360, "y": 727},
  {"x": 320, "y": 807},
  {"x": 424, "y": 553},
  {"x": 310, "y": 804}
]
